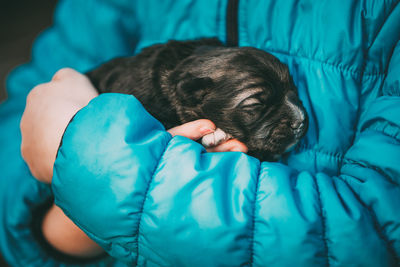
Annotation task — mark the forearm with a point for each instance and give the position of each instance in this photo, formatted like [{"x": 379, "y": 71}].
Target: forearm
[
  {"x": 49, "y": 109},
  {"x": 61, "y": 233}
]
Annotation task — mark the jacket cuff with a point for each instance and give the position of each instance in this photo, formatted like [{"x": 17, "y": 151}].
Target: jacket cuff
[{"x": 108, "y": 154}]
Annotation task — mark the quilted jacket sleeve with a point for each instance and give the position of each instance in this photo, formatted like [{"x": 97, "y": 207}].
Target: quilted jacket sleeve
[{"x": 150, "y": 199}]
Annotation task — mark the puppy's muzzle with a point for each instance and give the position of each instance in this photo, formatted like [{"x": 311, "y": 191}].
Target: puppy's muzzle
[
  {"x": 299, "y": 123},
  {"x": 299, "y": 127}
]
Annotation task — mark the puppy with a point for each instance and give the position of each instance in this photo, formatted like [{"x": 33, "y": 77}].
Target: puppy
[{"x": 248, "y": 93}]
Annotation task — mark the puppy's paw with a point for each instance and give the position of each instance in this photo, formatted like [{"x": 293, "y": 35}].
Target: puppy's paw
[{"x": 215, "y": 138}]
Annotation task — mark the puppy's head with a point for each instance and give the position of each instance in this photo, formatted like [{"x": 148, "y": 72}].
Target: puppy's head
[{"x": 246, "y": 92}]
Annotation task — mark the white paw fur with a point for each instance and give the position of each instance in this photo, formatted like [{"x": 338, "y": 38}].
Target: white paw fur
[{"x": 215, "y": 138}]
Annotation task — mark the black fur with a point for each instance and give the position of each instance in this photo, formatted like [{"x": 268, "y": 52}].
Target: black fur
[{"x": 245, "y": 91}]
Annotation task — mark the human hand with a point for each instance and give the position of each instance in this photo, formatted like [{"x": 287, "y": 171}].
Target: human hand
[
  {"x": 199, "y": 128},
  {"x": 49, "y": 108}
]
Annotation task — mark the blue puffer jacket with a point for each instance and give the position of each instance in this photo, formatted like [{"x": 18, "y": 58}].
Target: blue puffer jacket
[{"x": 153, "y": 200}]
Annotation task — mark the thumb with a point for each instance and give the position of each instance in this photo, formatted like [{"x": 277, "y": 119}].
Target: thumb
[
  {"x": 194, "y": 129},
  {"x": 230, "y": 145}
]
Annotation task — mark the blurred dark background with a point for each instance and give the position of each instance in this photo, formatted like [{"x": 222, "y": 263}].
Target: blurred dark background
[{"x": 20, "y": 22}]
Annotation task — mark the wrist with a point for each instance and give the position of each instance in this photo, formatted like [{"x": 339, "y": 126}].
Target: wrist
[{"x": 65, "y": 237}]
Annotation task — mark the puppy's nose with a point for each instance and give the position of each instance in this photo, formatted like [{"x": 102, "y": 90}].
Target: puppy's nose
[
  {"x": 299, "y": 128},
  {"x": 296, "y": 125}
]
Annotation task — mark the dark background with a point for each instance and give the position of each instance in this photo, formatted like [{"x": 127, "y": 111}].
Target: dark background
[{"x": 20, "y": 22}]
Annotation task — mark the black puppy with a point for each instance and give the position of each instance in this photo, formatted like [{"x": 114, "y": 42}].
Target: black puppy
[{"x": 246, "y": 92}]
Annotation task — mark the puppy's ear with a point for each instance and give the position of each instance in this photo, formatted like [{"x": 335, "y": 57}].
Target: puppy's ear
[{"x": 192, "y": 90}]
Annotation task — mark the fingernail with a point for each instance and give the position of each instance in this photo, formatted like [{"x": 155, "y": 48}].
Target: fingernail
[
  {"x": 206, "y": 130},
  {"x": 238, "y": 149}
]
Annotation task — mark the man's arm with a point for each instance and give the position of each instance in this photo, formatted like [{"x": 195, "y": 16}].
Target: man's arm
[{"x": 49, "y": 109}]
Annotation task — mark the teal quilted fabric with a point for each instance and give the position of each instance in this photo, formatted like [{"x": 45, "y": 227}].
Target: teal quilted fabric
[{"x": 153, "y": 200}]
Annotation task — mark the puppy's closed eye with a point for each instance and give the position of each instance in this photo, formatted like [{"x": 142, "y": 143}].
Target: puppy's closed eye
[
  {"x": 252, "y": 108},
  {"x": 251, "y": 103}
]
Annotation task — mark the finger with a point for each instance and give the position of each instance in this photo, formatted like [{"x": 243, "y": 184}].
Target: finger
[
  {"x": 230, "y": 145},
  {"x": 80, "y": 89},
  {"x": 65, "y": 73},
  {"x": 194, "y": 129},
  {"x": 70, "y": 75}
]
